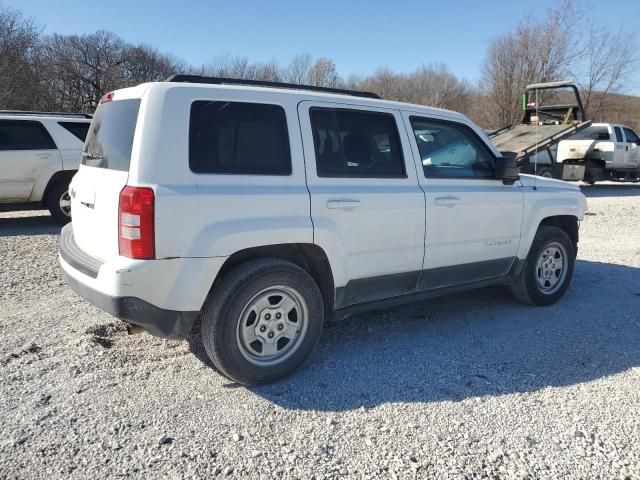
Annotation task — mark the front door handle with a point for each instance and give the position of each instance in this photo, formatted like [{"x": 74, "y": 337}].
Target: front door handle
[
  {"x": 447, "y": 201},
  {"x": 43, "y": 155},
  {"x": 343, "y": 204}
]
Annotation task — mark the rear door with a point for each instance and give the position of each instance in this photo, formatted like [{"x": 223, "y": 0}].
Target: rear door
[
  {"x": 366, "y": 205},
  {"x": 632, "y": 151},
  {"x": 104, "y": 171},
  {"x": 473, "y": 219},
  {"x": 26, "y": 149},
  {"x": 619, "y": 148}
]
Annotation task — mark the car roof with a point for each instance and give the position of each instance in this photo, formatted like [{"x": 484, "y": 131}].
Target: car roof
[
  {"x": 300, "y": 94},
  {"x": 24, "y": 115}
]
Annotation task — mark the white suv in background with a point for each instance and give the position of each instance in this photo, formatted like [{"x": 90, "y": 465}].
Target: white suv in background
[
  {"x": 265, "y": 208},
  {"x": 39, "y": 153}
]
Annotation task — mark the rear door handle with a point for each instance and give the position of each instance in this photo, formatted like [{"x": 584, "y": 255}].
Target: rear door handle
[
  {"x": 43, "y": 155},
  {"x": 447, "y": 201},
  {"x": 343, "y": 204}
]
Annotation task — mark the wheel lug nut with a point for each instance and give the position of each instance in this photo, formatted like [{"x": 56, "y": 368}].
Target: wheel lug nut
[
  {"x": 278, "y": 315},
  {"x": 263, "y": 328},
  {"x": 267, "y": 316},
  {"x": 280, "y": 327},
  {"x": 270, "y": 335}
]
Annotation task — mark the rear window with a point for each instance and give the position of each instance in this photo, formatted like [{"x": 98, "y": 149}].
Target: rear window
[
  {"x": 238, "y": 138},
  {"x": 79, "y": 129},
  {"x": 110, "y": 136},
  {"x": 592, "y": 133},
  {"x": 24, "y": 135}
]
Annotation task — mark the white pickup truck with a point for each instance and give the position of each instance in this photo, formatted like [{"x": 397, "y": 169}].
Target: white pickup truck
[{"x": 609, "y": 152}]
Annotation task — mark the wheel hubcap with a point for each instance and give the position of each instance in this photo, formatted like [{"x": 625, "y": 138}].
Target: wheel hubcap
[
  {"x": 272, "y": 326},
  {"x": 551, "y": 268},
  {"x": 65, "y": 203}
]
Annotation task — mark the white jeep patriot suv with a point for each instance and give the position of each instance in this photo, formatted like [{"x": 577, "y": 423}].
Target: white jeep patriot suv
[
  {"x": 39, "y": 153},
  {"x": 265, "y": 208}
]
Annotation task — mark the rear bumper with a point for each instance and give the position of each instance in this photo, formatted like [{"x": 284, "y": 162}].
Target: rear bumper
[
  {"x": 163, "y": 296},
  {"x": 155, "y": 320}
]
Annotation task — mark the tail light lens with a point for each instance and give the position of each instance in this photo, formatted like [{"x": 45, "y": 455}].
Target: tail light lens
[{"x": 136, "y": 236}]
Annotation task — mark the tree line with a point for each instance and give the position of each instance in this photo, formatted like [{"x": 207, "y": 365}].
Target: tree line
[{"x": 72, "y": 72}]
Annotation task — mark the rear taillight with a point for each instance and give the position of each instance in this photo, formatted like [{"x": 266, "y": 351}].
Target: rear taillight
[
  {"x": 107, "y": 97},
  {"x": 136, "y": 237}
]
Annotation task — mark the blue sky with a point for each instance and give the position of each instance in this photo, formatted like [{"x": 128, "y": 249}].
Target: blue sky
[{"x": 359, "y": 36}]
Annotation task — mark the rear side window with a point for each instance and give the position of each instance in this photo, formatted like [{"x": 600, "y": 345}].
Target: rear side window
[
  {"x": 592, "y": 133},
  {"x": 24, "y": 135},
  {"x": 238, "y": 138},
  {"x": 356, "y": 144},
  {"x": 79, "y": 129},
  {"x": 110, "y": 138},
  {"x": 618, "y": 131},
  {"x": 451, "y": 150}
]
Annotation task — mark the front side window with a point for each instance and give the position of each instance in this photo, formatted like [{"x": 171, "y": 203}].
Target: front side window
[
  {"x": 631, "y": 136},
  {"x": 618, "y": 131},
  {"x": 24, "y": 135},
  {"x": 238, "y": 138},
  {"x": 451, "y": 150},
  {"x": 356, "y": 144}
]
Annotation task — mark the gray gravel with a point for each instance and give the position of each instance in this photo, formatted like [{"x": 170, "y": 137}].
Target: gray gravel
[{"x": 469, "y": 386}]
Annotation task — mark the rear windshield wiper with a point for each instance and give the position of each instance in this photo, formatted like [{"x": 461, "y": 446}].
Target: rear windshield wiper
[{"x": 92, "y": 156}]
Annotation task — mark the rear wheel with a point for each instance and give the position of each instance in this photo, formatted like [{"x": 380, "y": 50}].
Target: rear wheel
[
  {"x": 548, "y": 268},
  {"x": 59, "y": 202},
  {"x": 262, "y": 321}
]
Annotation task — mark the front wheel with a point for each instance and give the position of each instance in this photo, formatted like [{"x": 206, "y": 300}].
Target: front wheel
[
  {"x": 59, "y": 202},
  {"x": 262, "y": 321},
  {"x": 548, "y": 268}
]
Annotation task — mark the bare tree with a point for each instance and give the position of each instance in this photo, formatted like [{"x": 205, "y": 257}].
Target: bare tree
[
  {"x": 18, "y": 39},
  {"x": 606, "y": 65},
  {"x": 298, "y": 69},
  {"x": 536, "y": 51},
  {"x": 323, "y": 73}
]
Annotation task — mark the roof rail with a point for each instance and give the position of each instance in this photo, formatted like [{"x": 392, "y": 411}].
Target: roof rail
[
  {"x": 52, "y": 114},
  {"x": 262, "y": 83}
]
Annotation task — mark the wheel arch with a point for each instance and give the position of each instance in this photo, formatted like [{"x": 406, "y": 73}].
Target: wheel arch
[
  {"x": 58, "y": 177},
  {"x": 568, "y": 223},
  {"x": 311, "y": 258}
]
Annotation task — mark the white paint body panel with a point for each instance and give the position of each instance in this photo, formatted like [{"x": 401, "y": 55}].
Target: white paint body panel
[
  {"x": 25, "y": 174},
  {"x": 200, "y": 219}
]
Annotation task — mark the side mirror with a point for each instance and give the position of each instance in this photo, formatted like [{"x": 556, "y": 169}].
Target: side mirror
[{"x": 507, "y": 169}]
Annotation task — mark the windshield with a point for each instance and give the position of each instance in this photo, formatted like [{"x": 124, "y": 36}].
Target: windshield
[{"x": 110, "y": 136}]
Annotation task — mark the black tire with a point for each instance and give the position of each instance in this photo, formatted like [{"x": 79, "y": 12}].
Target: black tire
[
  {"x": 525, "y": 286},
  {"x": 54, "y": 195},
  {"x": 224, "y": 312},
  {"x": 545, "y": 172}
]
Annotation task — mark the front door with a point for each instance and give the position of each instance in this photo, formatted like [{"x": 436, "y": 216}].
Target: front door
[
  {"x": 367, "y": 208},
  {"x": 473, "y": 219}
]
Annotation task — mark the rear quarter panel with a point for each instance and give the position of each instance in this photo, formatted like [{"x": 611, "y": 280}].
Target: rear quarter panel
[{"x": 211, "y": 215}]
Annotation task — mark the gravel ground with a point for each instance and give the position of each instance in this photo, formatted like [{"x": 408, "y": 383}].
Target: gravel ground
[{"x": 468, "y": 386}]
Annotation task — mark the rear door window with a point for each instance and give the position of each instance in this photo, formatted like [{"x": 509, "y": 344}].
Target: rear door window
[
  {"x": 592, "y": 133},
  {"x": 24, "y": 135},
  {"x": 110, "y": 138},
  {"x": 356, "y": 144},
  {"x": 618, "y": 131},
  {"x": 79, "y": 129},
  {"x": 238, "y": 138}
]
